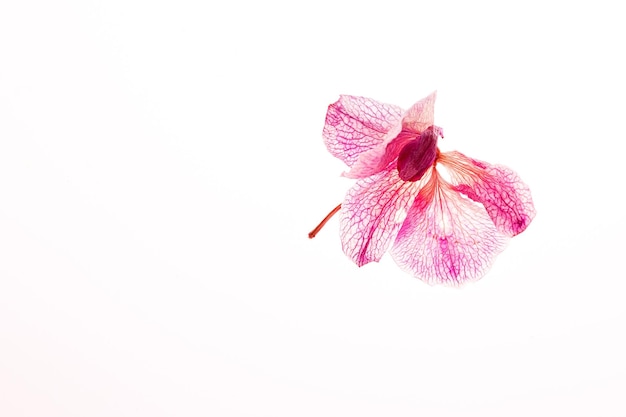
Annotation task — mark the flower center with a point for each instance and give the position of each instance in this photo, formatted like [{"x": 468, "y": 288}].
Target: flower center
[{"x": 417, "y": 156}]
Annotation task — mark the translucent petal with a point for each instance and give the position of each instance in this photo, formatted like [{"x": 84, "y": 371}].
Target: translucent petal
[
  {"x": 421, "y": 115},
  {"x": 357, "y": 124},
  {"x": 414, "y": 121},
  {"x": 377, "y": 159},
  {"x": 373, "y": 211},
  {"x": 505, "y": 197},
  {"x": 446, "y": 238}
]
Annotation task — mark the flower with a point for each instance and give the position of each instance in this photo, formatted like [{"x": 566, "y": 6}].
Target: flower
[{"x": 445, "y": 226}]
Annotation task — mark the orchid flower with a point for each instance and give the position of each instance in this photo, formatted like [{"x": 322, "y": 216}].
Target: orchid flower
[{"x": 445, "y": 226}]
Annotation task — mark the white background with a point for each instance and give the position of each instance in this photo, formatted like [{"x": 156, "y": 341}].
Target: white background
[{"x": 161, "y": 164}]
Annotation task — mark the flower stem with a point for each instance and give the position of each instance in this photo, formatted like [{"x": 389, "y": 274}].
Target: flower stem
[{"x": 314, "y": 232}]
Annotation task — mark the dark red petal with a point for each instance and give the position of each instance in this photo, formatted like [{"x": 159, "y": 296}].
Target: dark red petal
[{"x": 417, "y": 156}]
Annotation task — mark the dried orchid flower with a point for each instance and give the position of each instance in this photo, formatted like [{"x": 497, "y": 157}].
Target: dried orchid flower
[{"x": 443, "y": 226}]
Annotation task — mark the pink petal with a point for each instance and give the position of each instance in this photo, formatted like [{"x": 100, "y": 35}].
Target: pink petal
[
  {"x": 446, "y": 238},
  {"x": 372, "y": 213},
  {"x": 414, "y": 121},
  {"x": 505, "y": 197},
  {"x": 421, "y": 115},
  {"x": 357, "y": 124},
  {"x": 377, "y": 159}
]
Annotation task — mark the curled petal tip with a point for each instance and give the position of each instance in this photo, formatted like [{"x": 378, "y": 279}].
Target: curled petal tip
[{"x": 499, "y": 189}]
